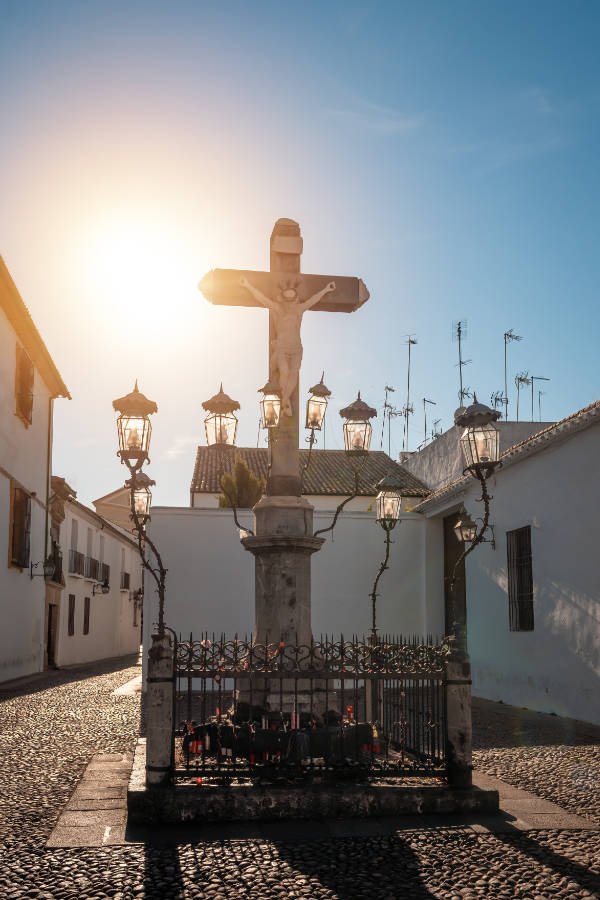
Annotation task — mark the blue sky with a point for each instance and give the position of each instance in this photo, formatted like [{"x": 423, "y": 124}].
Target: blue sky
[{"x": 444, "y": 152}]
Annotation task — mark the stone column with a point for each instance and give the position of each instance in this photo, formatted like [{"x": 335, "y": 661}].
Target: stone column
[
  {"x": 159, "y": 712},
  {"x": 457, "y": 686}
]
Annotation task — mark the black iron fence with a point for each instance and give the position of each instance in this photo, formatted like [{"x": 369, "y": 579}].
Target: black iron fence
[{"x": 331, "y": 709}]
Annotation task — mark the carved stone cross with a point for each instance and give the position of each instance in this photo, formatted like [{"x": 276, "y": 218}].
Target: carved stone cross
[{"x": 287, "y": 294}]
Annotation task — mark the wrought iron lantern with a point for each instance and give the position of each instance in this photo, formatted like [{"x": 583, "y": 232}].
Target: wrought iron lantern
[
  {"x": 480, "y": 439},
  {"x": 357, "y": 427},
  {"x": 48, "y": 569},
  {"x": 270, "y": 405},
  {"x": 134, "y": 427},
  {"x": 316, "y": 405},
  {"x": 139, "y": 485},
  {"x": 389, "y": 501},
  {"x": 221, "y": 422},
  {"x": 465, "y": 529}
]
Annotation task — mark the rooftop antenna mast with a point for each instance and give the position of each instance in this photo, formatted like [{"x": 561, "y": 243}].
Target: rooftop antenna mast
[
  {"x": 533, "y": 379},
  {"x": 540, "y": 395},
  {"x": 459, "y": 334},
  {"x": 508, "y": 337},
  {"x": 388, "y": 412},
  {"x": 408, "y": 409},
  {"x": 425, "y": 402},
  {"x": 520, "y": 379}
]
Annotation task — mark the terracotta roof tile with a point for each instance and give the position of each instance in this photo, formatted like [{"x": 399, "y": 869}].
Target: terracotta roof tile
[{"x": 329, "y": 472}]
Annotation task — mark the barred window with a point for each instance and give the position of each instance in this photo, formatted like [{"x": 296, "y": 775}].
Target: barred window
[
  {"x": 24, "y": 386},
  {"x": 20, "y": 527},
  {"x": 86, "y": 615},
  {"x": 71, "y": 615},
  {"x": 520, "y": 579}
]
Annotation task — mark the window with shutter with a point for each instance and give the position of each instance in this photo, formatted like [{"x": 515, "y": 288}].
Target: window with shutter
[
  {"x": 71, "y": 615},
  {"x": 24, "y": 387},
  {"x": 86, "y": 615},
  {"x": 20, "y": 527},
  {"x": 520, "y": 579}
]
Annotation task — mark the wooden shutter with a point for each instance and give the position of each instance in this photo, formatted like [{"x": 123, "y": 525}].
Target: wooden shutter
[
  {"x": 86, "y": 615},
  {"x": 20, "y": 527},
  {"x": 71, "y": 615},
  {"x": 520, "y": 579},
  {"x": 24, "y": 386}
]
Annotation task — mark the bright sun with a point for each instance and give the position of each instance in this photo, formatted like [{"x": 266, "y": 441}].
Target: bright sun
[{"x": 143, "y": 270}]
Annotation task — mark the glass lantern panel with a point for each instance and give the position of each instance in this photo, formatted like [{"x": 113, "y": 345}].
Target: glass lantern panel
[
  {"x": 220, "y": 428},
  {"x": 134, "y": 434},
  {"x": 479, "y": 444},
  {"x": 357, "y": 436},
  {"x": 315, "y": 412},
  {"x": 141, "y": 502},
  {"x": 388, "y": 505},
  {"x": 270, "y": 411}
]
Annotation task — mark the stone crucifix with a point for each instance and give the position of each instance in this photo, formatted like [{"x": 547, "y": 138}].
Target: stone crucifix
[{"x": 287, "y": 295}]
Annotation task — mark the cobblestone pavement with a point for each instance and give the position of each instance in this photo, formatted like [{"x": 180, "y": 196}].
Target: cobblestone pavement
[{"x": 50, "y": 728}]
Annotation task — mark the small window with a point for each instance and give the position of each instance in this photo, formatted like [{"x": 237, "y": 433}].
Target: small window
[
  {"x": 20, "y": 527},
  {"x": 86, "y": 615},
  {"x": 71, "y": 615},
  {"x": 24, "y": 386},
  {"x": 520, "y": 579}
]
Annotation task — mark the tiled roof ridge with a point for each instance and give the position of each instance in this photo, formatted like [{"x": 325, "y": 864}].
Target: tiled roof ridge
[
  {"x": 324, "y": 477},
  {"x": 520, "y": 449}
]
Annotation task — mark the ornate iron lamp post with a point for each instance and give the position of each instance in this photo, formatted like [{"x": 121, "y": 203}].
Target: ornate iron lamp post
[
  {"x": 389, "y": 501},
  {"x": 134, "y": 430},
  {"x": 316, "y": 407},
  {"x": 480, "y": 447}
]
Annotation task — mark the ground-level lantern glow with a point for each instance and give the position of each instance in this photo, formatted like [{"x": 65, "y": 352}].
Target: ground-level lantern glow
[
  {"x": 220, "y": 424},
  {"x": 357, "y": 427}
]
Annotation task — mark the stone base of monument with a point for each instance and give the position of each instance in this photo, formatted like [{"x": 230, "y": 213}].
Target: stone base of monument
[{"x": 193, "y": 803}]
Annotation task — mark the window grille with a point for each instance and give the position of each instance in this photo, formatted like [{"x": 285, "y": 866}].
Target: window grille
[
  {"x": 86, "y": 615},
  {"x": 24, "y": 386},
  {"x": 520, "y": 579},
  {"x": 71, "y": 615},
  {"x": 20, "y": 528}
]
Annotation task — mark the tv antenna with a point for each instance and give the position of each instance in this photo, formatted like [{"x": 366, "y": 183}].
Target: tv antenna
[
  {"x": 497, "y": 399},
  {"x": 425, "y": 402},
  {"x": 520, "y": 379},
  {"x": 540, "y": 395},
  {"x": 459, "y": 334},
  {"x": 388, "y": 412},
  {"x": 533, "y": 379},
  {"x": 408, "y": 409},
  {"x": 508, "y": 337}
]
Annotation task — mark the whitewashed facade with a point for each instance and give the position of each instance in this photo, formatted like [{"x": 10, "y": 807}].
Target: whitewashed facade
[
  {"x": 548, "y": 490},
  {"x": 29, "y": 384},
  {"x": 94, "y": 625}
]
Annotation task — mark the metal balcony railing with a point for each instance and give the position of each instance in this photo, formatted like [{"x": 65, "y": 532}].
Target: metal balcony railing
[
  {"x": 76, "y": 563},
  {"x": 104, "y": 573},
  {"x": 92, "y": 568},
  {"x": 125, "y": 578}
]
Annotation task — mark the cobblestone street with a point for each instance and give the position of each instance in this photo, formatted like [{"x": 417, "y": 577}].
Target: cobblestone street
[{"x": 51, "y": 726}]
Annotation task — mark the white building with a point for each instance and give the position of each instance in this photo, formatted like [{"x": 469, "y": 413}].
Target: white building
[
  {"x": 210, "y": 579},
  {"x": 100, "y": 608},
  {"x": 29, "y": 384},
  {"x": 533, "y": 600}
]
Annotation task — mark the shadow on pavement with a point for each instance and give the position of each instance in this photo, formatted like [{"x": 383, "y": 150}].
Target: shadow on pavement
[
  {"x": 43, "y": 681},
  {"x": 526, "y": 843},
  {"x": 162, "y": 873},
  {"x": 497, "y": 725}
]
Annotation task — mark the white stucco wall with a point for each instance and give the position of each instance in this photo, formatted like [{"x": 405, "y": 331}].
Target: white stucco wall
[
  {"x": 441, "y": 461},
  {"x": 210, "y": 581},
  {"x": 23, "y": 458},
  {"x": 555, "y": 667},
  {"x": 111, "y": 632}
]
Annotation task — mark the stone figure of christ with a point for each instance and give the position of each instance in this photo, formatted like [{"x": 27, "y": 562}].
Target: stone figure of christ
[{"x": 286, "y": 348}]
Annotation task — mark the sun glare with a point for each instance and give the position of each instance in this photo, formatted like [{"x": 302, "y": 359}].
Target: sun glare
[{"x": 143, "y": 272}]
